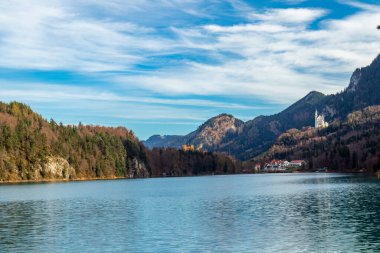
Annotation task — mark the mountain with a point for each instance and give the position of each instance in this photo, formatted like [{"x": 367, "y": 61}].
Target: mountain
[
  {"x": 211, "y": 135},
  {"x": 362, "y": 91},
  {"x": 256, "y": 136},
  {"x": 349, "y": 145},
  {"x": 225, "y": 133},
  {"x": 215, "y": 132},
  {"x": 164, "y": 141}
]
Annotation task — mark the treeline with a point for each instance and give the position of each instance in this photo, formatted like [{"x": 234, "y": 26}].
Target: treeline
[
  {"x": 173, "y": 162},
  {"x": 32, "y": 148},
  {"x": 352, "y": 145}
]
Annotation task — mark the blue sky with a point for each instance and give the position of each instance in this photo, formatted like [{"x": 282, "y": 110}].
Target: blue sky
[{"x": 165, "y": 66}]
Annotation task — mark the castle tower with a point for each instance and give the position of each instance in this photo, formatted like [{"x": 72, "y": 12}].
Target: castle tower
[
  {"x": 316, "y": 119},
  {"x": 320, "y": 121}
]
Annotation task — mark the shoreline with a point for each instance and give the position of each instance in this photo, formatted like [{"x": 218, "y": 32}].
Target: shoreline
[
  {"x": 61, "y": 180},
  {"x": 13, "y": 182}
]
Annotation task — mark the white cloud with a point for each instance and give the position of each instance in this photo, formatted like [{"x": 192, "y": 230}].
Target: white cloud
[
  {"x": 289, "y": 15},
  {"x": 266, "y": 28},
  {"x": 277, "y": 62},
  {"x": 53, "y": 93},
  {"x": 360, "y": 5},
  {"x": 44, "y": 35},
  {"x": 273, "y": 54}
]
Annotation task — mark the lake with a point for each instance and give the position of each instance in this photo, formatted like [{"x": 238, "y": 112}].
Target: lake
[{"x": 313, "y": 212}]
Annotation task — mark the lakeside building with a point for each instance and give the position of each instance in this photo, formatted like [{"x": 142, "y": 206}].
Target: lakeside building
[
  {"x": 282, "y": 165},
  {"x": 296, "y": 163},
  {"x": 320, "y": 121},
  {"x": 276, "y": 165},
  {"x": 257, "y": 167}
]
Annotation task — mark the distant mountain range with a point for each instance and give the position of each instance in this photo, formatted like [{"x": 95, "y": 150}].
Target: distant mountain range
[{"x": 245, "y": 140}]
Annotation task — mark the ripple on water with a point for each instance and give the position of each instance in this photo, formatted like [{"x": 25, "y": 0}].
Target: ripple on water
[{"x": 249, "y": 213}]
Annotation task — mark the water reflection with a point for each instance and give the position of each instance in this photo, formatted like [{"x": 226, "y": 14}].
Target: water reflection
[{"x": 263, "y": 213}]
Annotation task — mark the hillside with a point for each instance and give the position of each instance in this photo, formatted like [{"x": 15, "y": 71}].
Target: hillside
[
  {"x": 353, "y": 144},
  {"x": 33, "y": 149},
  {"x": 211, "y": 135},
  {"x": 257, "y": 135}
]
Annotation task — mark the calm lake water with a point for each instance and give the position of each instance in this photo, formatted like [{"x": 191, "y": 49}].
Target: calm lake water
[{"x": 243, "y": 213}]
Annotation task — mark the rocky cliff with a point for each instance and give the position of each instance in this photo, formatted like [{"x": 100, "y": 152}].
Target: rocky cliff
[{"x": 137, "y": 169}]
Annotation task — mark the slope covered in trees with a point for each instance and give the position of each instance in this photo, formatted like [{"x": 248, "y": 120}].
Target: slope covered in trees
[
  {"x": 173, "y": 162},
  {"x": 32, "y": 148},
  {"x": 349, "y": 145}
]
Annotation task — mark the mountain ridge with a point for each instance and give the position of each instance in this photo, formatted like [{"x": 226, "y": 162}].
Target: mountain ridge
[
  {"x": 224, "y": 125},
  {"x": 256, "y": 135}
]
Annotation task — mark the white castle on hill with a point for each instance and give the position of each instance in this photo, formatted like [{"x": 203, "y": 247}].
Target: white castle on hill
[{"x": 320, "y": 121}]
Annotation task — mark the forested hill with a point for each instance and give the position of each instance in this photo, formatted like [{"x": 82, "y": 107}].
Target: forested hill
[
  {"x": 32, "y": 148},
  {"x": 352, "y": 144}
]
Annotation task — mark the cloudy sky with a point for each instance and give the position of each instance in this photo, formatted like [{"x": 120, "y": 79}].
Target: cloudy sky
[{"x": 165, "y": 66}]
